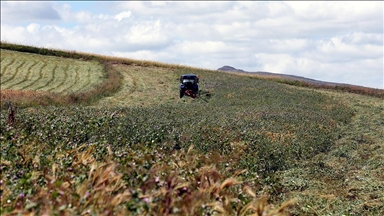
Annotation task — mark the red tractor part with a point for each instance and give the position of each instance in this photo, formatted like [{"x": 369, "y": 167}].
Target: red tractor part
[{"x": 190, "y": 93}]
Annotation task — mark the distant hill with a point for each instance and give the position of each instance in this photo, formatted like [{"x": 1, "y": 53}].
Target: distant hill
[
  {"x": 283, "y": 76},
  {"x": 229, "y": 68}
]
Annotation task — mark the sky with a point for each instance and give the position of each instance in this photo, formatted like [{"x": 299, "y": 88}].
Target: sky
[{"x": 330, "y": 41}]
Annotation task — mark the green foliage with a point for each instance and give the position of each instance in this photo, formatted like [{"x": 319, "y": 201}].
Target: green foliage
[
  {"x": 250, "y": 137},
  {"x": 259, "y": 126}
]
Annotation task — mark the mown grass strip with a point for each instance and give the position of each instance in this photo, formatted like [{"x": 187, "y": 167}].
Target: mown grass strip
[
  {"x": 39, "y": 75},
  {"x": 74, "y": 70},
  {"x": 62, "y": 79},
  {"x": 14, "y": 74},
  {"x": 26, "y": 76},
  {"x": 87, "y": 79},
  {"x": 48, "y": 75},
  {"x": 50, "y": 78},
  {"x": 5, "y": 64}
]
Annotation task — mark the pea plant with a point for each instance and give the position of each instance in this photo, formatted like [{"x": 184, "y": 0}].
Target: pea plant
[{"x": 218, "y": 155}]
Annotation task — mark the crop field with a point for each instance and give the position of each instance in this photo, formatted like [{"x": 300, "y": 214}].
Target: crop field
[
  {"x": 244, "y": 146},
  {"x": 143, "y": 86},
  {"x": 26, "y": 71}
]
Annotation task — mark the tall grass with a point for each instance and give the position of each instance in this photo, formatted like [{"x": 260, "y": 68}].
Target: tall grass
[{"x": 177, "y": 185}]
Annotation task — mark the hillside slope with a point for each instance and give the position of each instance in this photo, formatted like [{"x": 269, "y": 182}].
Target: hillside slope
[
  {"x": 306, "y": 82},
  {"x": 143, "y": 86},
  {"x": 142, "y": 150},
  {"x": 349, "y": 179},
  {"x": 28, "y": 71},
  {"x": 283, "y": 76}
]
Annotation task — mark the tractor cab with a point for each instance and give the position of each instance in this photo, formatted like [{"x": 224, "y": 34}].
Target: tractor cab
[{"x": 189, "y": 85}]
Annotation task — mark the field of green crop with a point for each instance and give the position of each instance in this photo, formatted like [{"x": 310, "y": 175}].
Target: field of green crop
[
  {"x": 244, "y": 146},
  {"x": 27, "y": 71}
]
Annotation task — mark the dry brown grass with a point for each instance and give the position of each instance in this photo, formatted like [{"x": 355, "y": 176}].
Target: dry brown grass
[
  {"x": 32, "y": 98},
  {"x": 104, "y": 191}
]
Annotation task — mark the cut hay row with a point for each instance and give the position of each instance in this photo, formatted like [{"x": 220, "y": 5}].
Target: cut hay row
[
  {"x": 34, "y": 81},
  {"x": 143, "y": 86},
  {"x": 76, "y": 79},
  {"x": 47, "y": 76},
  {"x": 63, "y": 72},
  {"x": 13, "y": 70},
  {"x": 5, "y": 63},
  {"x": 24, "y": 71},
  {"x": 82, "y": 81},
  {"x": 30, "y": 65}
]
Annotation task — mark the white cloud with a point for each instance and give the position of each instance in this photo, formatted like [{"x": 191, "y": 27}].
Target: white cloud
[
  {"x": 275, "y": 62},
  {"x": 146, "y": 33},
  {"x": 338, "y": 50},
  {"x": 25, "y": 11},
  {"x": 33, "y": 27},
  {"x": 332, "y": 41},
  {"x": 122, "y": 15},
  {"x": 289, "y": 45},
  {"x": 193, "y": 48},
  {"x": 359, "y": 72},
  {"x": 338, "y": 11},
  {"x": 15, "y": 34},
  {"x": 357, "y": 38},
  {"x": 159, "y": 3}
]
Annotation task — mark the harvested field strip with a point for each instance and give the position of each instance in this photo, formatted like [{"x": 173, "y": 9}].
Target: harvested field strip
[
  {"x": 5, "y": 64},
  {"x": 6, "y": 73},
  {"x": 352, "y": 172},
  {"x": 4, "y": 68},
  {"x": 13, "y": 74},
  {"x": 86, "y": 79},
  {"x": 143, "y": 86},
  {"x": 26, "y": 71},
  {"x": 74, "y": 70},
  {"x": 26, "y": 77},
  {"x": 63, "y": 71},
  {"x": 39, "y": 70},
  {"x": 131, "y": 82},
  {"x": 48, "y": 78}
]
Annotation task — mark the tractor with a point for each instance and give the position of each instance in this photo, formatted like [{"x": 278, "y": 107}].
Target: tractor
[{"x": 189, "y": 85}]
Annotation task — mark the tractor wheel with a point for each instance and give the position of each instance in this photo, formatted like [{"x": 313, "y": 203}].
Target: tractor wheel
[{"x": 181, "y": 93}]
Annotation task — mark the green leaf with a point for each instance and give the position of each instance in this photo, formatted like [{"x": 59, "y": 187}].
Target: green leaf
[
  {"x": 31, "y": 205},
  {"x": 61, "y": 208}
]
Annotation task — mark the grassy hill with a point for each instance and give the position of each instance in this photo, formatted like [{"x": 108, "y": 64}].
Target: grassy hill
[{"x": 123, "y": 142}]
